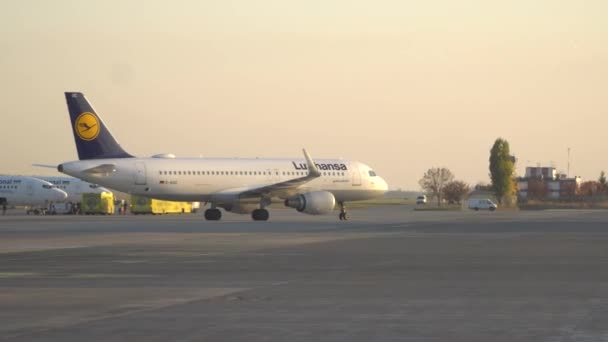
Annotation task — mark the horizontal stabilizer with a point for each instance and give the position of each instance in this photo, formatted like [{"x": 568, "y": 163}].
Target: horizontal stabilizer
[
  {"x": 101, "y": 170},
  {"x": 45, "y": 166}
]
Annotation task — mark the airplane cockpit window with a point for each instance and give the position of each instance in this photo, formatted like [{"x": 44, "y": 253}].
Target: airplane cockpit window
[
  {"x": 46, "y": 186},
  {"x": 372, "y": 173},
  {"x": 93, "y": 186}
]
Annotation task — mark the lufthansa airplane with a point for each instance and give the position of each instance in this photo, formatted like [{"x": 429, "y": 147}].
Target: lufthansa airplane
[
  {"x": 28, "y": 191},
  {"x": 244, "y": 186}
]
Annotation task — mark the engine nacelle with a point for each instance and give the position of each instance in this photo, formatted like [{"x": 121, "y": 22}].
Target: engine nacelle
[{"x": 313, "y": 203}]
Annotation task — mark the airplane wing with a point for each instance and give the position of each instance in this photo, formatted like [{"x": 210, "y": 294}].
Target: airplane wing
[{"x": 282, "y": 189}]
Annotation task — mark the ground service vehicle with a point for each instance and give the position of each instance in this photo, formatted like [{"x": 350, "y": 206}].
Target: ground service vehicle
[
  {"x": 146, "y": 205},
  {"x": 98, "y": 203}
]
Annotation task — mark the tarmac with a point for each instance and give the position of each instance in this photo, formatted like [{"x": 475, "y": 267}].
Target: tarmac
[{"x": 388, "y": 274}]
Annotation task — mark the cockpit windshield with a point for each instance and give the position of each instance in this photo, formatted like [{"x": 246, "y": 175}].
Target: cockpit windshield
[
  {"x": 93, "y": 186},
  {"x": 46, "y": 186},
  {"x": 372, "y": 173}
]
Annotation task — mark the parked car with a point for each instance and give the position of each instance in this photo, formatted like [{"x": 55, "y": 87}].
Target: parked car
[
  {"x": 421, "y": 199},
  {"x": 482, "y": 203}
]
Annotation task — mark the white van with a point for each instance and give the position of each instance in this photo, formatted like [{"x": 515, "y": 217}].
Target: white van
[
  {"x": 421, "y": 199},
  {"x": 482, "y": 203}
]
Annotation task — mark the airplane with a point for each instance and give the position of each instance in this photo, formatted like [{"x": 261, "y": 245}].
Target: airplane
[
  {"x": 29, "y": 191},
  {"x": 74, "y": 187},
  {"x": 243, "y": 186}
]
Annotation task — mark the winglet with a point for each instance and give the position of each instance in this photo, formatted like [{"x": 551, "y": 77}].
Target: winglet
[{"x": 312, "y": 168}]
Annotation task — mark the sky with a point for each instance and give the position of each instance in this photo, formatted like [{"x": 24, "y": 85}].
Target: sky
[{"x": 399, "y": 85}]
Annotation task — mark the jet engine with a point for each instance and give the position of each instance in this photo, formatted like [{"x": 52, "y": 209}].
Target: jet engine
[{"x": 312, "y": 203}]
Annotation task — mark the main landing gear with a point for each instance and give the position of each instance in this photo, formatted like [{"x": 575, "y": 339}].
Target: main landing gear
[
  {"x": 213, "y": 214},
  {"x": 342, "y": 216},
  {"x": 260, "y": 215}
]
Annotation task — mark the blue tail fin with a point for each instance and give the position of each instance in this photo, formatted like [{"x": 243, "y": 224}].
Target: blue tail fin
[{"x": 93, "y": 139}]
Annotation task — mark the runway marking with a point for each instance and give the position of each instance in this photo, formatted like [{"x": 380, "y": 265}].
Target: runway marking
[
  {"x": 6, "y": 275},
  {"x": 121, "y": 309},
  {"x": 279, "y": 283}
]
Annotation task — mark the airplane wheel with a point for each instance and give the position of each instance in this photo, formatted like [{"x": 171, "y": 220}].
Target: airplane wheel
[
  {"x": 260, "y": 215},
  {"x": 213, "y": 214}
]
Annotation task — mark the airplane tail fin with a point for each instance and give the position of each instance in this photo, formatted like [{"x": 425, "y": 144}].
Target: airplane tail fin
[{"x": 93, "y": 139}]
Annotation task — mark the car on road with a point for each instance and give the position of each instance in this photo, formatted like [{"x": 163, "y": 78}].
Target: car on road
[{"x": 421, "y": 199}]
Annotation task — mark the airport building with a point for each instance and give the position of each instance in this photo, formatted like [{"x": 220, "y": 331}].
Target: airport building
[{"x": 546, "y": 183}]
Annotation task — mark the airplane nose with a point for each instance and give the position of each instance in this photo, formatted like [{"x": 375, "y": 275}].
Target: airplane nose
[
  {"x": 383, "y": 185},
  {"x": 60, "y": 195}
]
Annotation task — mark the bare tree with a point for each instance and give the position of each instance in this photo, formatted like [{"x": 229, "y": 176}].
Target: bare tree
[
  {"x": 455, "y": 191},
  {"x": 434, "y": 180}
]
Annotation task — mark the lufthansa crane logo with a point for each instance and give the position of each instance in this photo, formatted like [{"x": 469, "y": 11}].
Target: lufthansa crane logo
[{"x": 87, "y": 126}]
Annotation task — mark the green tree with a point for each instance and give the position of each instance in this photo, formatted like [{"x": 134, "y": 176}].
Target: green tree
[
  {"x": 502, "y": 168},
  {"x": 434, "y": 180}
]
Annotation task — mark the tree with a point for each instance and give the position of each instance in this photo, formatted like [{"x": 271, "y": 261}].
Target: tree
[
  {"x": 589, "y": 189},
  {"x": 537, "y": 189},
  {"x": 502, "y": 169},
  {"x": 455, "y": 191},
  {"x": 434, "y": 180},
  {"x": 602, "y": 181}
]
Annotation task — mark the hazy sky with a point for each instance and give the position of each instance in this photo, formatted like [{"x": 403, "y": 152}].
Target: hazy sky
[{"x": 400, "y": 85}]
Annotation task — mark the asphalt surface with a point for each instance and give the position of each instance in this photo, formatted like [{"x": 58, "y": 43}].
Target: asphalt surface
[{"x": 388, "y": 274}]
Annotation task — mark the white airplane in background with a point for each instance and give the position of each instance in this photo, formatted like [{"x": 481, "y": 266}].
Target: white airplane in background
[
  {"x": 74, "y": 187},
  {"x": 28, "y": 191},
  {"x": 238, "y": 185}
]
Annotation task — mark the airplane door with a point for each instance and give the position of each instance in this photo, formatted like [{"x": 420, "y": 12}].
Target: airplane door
[
  {"x": 140, "y": 173},
  {"x": 356, "y": 175}
]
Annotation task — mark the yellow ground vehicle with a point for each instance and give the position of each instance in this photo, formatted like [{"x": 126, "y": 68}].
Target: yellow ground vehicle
[
  {"x": 98, "y": 203},
  {"x": 146, "y": 205}
]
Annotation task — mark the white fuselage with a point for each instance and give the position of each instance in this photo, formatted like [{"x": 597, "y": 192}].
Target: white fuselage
[
  {"x": 217, "y": 179},
  {"x": 74, "y": 187},
  {"x": 29, "y": 191}
]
